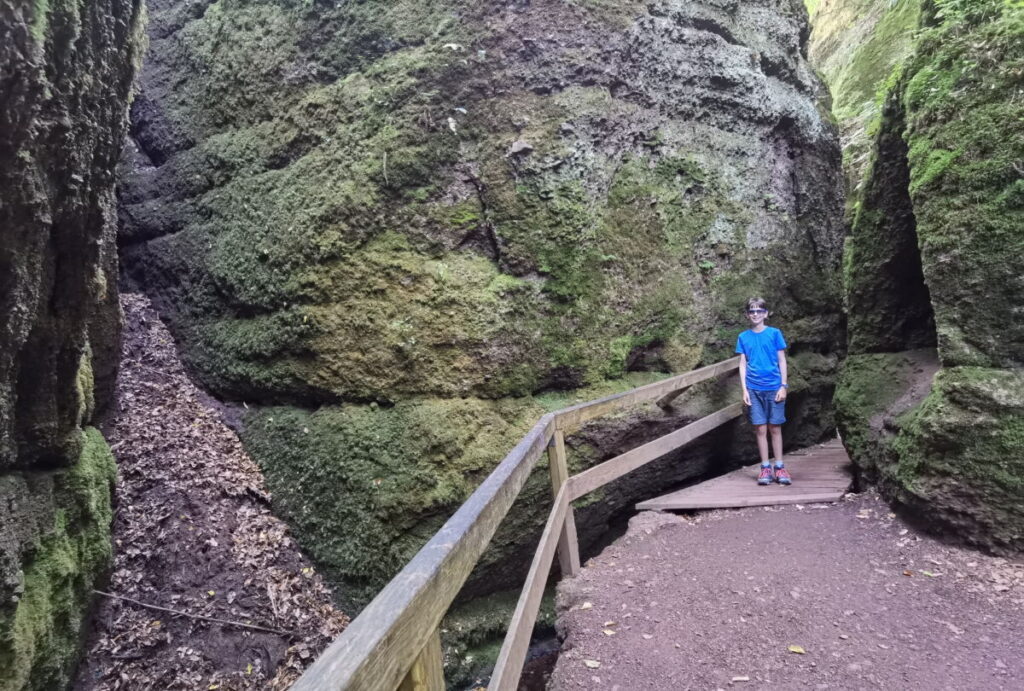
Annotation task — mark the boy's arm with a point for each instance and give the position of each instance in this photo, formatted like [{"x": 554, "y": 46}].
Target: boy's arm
[
  {"x": 743, "y": 378},
  {"x": 780, "y": 395}
]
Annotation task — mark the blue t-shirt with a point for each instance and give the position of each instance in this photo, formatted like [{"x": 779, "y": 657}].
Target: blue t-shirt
[{"x": 762, "y": 351}]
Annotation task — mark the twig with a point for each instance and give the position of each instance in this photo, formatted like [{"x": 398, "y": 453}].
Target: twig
[
  {"x": 195, "y": 616},
  {"x": 386, "y": 169}
]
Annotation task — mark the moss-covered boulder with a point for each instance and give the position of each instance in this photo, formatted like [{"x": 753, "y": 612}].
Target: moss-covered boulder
[
  {"x": 935, "y": 261},
  {"x": 380, "y": 200},
  {"x": 67, "y": 73}
]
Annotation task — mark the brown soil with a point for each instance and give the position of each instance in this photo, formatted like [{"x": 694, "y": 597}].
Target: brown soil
[
  {"x": 193, "y": 533},
  {"x": 715, "y": 601}
]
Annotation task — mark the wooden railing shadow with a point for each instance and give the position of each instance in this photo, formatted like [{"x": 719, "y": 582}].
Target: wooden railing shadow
[{"x": 395, "y": 642}]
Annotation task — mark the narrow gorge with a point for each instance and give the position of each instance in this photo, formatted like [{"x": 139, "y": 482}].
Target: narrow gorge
[{"x": 385, "y": 236}]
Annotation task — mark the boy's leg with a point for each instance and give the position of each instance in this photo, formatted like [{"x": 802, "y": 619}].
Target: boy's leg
[
  {"x": 762, "y": 442},
  {"x": 766, "y": 476},
  {"x": 776, "y": 432},
  {"x": 781, "y": 474}
]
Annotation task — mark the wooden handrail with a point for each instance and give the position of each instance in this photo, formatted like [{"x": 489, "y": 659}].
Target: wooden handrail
[
  {"x": 614, "y": 468},
  {"x": 574, "y": 416},
  {"x": 379, "y": 646},
  {"x": 378, "y": 649}
]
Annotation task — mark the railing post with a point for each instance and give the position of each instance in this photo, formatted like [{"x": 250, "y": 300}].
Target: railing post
[
  {"x": 427, "y": 672},
  {"x": 568, "y": 545}
]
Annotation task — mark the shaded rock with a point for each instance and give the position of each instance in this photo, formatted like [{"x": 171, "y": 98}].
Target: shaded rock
[
  {"x": 935, "y": 260},
  {"x": 67, "y": 73}
]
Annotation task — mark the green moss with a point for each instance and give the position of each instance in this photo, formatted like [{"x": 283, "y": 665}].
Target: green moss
[
  {"x": 858, "y": 45},
  {"x": 472, "y": 634},
  {"x": 395, "y": 474},
  {"x": 39, "y": 641},
  {"x": 959, "y": 455},
  {"x": 84, "y": 385},
  {"x": 40, "y": 19},
  {"x": 965, "y": 179},
  {"x": 867, "y": 387}
]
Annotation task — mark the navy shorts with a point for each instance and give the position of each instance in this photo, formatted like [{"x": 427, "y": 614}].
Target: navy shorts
[{"x": 764, "y": 409}]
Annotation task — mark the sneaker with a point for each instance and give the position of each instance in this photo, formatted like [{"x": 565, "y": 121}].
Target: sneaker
[
  {"x": 766, "y": 476},
  {"x": 782, "y": 475}
]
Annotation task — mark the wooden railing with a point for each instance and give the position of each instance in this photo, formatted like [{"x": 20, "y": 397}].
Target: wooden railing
[{"x": 395, "y": 642}]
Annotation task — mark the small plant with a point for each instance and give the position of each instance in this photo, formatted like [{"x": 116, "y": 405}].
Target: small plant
[{"x": 705, "y": 265}]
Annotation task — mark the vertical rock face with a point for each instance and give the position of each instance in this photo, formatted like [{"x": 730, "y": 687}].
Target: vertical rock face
[
  {"x": 66, "y": 70},
  {"x": 930, "y": 399},
  {"x": 855, "y": 45},
  {"x": 417, "y": 217}
]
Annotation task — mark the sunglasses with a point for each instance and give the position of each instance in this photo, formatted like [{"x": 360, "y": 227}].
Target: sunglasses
[{"x": 757, "y": 311}]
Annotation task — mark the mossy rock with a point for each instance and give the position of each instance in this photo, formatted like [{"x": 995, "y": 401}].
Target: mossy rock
[
  {"x": 358, "y": 214},
  {"x": 966, "y": 182},
  {"x": 856, "y": 45},
  {"x": 959, "y": 462},
  {"x": 935, "y": 258},
  {"x": 61, "y": 548}
]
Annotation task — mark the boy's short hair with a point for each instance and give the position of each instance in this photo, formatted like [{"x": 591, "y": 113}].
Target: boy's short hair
[{"x": 757, "y": 302}]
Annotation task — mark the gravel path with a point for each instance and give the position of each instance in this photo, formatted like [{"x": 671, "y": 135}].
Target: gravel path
[{"x": 714, "y": 601}]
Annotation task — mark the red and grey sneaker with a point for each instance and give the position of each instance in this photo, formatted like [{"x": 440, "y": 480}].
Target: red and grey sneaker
[
  {"x": 782, "y": 475},
  {"x": 766, "y": 476}
]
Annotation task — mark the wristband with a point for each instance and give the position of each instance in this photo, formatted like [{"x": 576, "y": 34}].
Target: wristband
[{"x": 785, "y": 386}]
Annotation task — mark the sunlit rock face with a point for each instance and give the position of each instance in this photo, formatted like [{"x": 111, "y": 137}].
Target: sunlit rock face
[
  {"x": 930, "y": 400},
  {"x": 401, "y": 231},
  {"x": 67, "y": 73}
]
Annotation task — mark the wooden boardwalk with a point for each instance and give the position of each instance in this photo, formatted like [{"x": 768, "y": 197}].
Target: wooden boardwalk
[{"x": 820, "y": 474}]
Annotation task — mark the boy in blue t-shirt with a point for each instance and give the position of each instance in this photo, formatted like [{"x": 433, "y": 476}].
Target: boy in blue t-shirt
[{"x": 762, "y": 351}]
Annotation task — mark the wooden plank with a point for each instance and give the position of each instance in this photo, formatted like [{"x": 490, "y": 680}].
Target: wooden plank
[
  {"x": 427, "y": 673},
  {"x": 568, "y": 544},
  {"x": 574, "y": 416},
  {"x": 602, "y": 474},
  {"x": 741, "y": 502},
  {"x": 820, "y": 475},
  {"x": 378, "y": 648},
  {"x": 509, "y": 666}
]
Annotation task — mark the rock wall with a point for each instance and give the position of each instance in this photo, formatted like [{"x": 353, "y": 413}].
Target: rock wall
[
  {"x": 856, "y": 45},
  {"x": 67, "y": 71},
  {"x": 929, "y": 401},
  {"x": 397, "y": 230}
]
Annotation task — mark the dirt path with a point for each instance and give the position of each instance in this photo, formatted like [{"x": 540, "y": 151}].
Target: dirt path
[
  {"x": 715, "y": 600},
  {"x": 193, "y": 533}
]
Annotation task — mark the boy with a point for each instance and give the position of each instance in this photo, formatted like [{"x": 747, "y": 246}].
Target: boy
[{"x": 762, "y": 351}]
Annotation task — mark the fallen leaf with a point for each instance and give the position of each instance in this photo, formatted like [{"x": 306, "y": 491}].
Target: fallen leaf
[
  {"x": 592, "y": 664},
  {"x": 843, "y": 636},
  {"x": 907, "y": 572},
  {"x": 609, "y": 623},
  {"x": 647, "y": 636},
  {"x": 586, "y": 605},
  {"x": 743, "y": 678},
  {"x": 608, "y": 632},
  {"x": 796, "y": 649},
  {"x": 929, "y": 574}
]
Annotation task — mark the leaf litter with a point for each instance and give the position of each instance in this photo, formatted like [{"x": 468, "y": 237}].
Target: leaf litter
[{"x": 208, "y": 590}]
